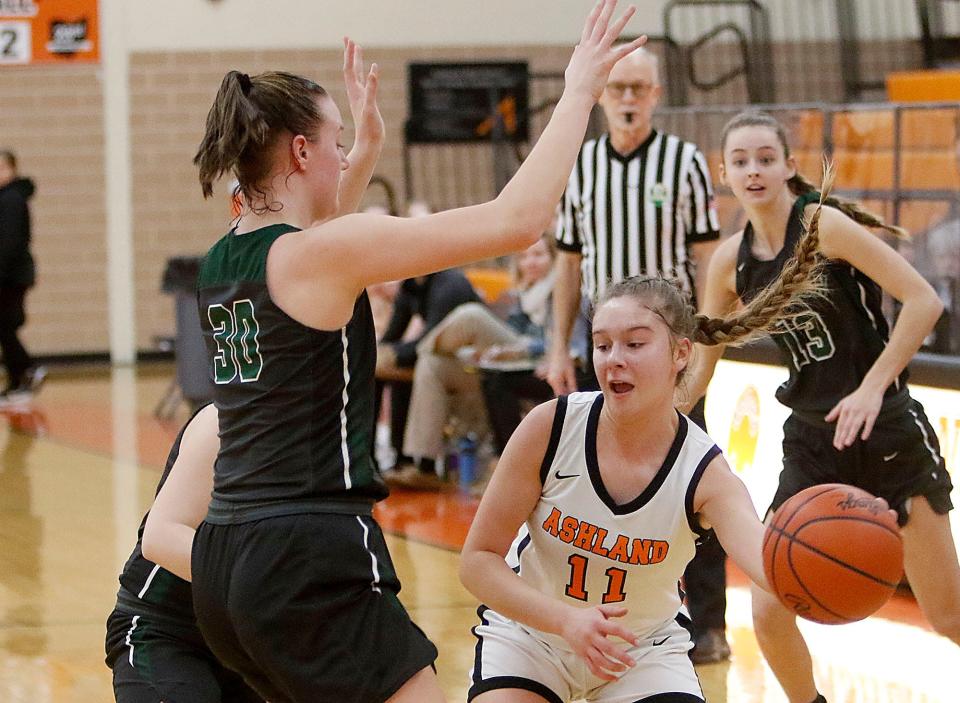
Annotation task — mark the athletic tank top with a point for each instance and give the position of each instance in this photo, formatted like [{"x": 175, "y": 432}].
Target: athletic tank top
[
  {"x": 147, "y": 588},
  {"x": 830, "y": 349},
  {"x": 295, "y": 403},
  {"x": 579, "y": 545}
]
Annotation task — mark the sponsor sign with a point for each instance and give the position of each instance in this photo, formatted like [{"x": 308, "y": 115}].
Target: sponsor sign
[{"x": 48, "y": 31}]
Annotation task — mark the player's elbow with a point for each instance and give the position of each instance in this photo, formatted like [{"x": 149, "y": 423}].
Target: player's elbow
[
  {"x": 929, "y": 302},
  {"x": 152, "y": 542},
  {"x": 947, "y": 624},
  {"x": 936, "y": 305},
  {"x": 469, "y": 569},
  {"x": 525, "y": 224},
  {"x": 465, "y": 568}
]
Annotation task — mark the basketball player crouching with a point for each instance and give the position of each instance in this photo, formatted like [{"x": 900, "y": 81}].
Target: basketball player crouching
[{"x": 591, "y": 517}]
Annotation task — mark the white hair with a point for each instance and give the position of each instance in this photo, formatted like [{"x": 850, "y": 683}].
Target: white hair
[{"x": 643, "y": 54}]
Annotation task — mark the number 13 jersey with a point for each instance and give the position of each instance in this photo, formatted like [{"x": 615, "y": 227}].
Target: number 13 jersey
[
  {"x": 829, "y": 349},
  {"x": 579, "y": 545}
]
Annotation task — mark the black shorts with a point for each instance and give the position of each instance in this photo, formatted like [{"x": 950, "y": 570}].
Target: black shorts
[
  {"x": 306, "y": 608},
  {"x": 154, "y": 662},
  {"x": 900, "y": 460}
]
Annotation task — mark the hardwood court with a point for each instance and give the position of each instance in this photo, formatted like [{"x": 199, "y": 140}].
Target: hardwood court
[{"x": 78, "y": 471}]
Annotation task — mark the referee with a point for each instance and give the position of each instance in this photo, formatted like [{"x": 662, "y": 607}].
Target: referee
[{"x": 639, "y": 202}]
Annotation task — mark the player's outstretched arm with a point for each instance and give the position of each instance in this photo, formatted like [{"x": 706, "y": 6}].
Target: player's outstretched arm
[
  {"x": 182, "y": 502},
  {"x": 510, "y": 497},
  {"x": 340, "y": 257},
  {"x": 368, "y": 127},
  {"x": 507, "y": 502},
  {"x": 722, "y": 502}
]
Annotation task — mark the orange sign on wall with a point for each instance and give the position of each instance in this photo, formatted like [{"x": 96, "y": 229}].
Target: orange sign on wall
[{"x": 49, "y": 31}]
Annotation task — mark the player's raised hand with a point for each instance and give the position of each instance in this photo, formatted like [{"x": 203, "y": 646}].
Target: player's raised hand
[
  {"x": 588, "y": 630},
  {"x": 595, "y": 55},
  {"x": 362, "y": 93}
]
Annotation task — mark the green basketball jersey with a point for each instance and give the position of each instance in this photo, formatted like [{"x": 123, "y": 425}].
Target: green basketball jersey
[{"x": 296, "y": 404}]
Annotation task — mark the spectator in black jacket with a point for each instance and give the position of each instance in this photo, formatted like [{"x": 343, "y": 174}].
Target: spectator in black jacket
[
  {"x": 431, "y": 298},
  {"x": 16, "y": 277}
]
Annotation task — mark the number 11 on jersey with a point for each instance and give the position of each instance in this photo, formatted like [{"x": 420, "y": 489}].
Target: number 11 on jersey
[{"x": 576, "y": 588}]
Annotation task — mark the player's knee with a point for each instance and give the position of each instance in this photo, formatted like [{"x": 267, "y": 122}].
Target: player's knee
[
  {"x": 768, "y": 612},
  {"x": 468, "y": 312}
]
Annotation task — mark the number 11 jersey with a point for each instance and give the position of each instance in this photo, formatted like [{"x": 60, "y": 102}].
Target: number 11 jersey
[{"x": 580, "y": 545}]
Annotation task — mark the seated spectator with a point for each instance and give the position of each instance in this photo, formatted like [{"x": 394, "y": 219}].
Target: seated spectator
[
  {"x": 443, "y": 388},
  {"x": 419, "y": 306}
]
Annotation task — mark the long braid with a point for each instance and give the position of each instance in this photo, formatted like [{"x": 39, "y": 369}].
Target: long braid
[{"x": 800, "y": 280}]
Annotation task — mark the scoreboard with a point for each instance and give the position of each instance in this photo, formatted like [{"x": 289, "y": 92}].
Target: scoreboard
[{"x": 48, "y": 31}]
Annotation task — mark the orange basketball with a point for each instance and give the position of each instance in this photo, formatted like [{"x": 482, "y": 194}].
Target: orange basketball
[{"x": 833, "y": 554}]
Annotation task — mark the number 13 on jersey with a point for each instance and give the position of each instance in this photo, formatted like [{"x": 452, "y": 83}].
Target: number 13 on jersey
[{"x": 235, "y": 333}]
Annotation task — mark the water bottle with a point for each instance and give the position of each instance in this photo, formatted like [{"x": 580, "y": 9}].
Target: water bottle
[{"x": 467, "y": 460}]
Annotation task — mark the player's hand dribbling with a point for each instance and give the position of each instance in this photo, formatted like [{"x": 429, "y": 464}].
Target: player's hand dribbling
[
  {"x": 587, "y": 631},
  {"x": 855, "y": 411},
  {"x": 362, "y": 93},
  {"x": 595, "y": 55}
]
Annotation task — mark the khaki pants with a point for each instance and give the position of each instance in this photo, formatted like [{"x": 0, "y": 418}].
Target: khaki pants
[{"x": 442, "y": 388}]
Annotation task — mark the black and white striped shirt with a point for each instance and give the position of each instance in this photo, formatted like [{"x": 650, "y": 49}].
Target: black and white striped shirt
[{"x": 637, "y": 214}]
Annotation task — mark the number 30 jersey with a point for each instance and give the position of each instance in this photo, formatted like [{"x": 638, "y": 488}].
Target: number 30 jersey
[
  {"x": 295, "y": 403},
  {"x": 579, "y": 545},
  {"x": 830, "y": 349}
]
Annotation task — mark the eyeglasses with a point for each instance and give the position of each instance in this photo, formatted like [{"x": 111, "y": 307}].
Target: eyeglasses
[{"x": 640, "y": 90}]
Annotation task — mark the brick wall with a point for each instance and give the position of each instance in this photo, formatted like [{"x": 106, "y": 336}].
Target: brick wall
[{"x": 52, "y": 117}]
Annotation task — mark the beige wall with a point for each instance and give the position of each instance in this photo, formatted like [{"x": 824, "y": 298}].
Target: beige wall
[
  {"x": 246, "y": 24},
  {"x": 52, "y": 117}
]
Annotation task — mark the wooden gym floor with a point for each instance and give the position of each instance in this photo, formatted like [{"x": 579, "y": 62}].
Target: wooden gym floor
[{"x": 78, "y": 470}]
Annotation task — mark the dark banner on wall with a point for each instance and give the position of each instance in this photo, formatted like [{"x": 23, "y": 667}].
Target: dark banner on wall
[
  {"x": 467, "y": 102},
  {"x": 48, "y": 31}
]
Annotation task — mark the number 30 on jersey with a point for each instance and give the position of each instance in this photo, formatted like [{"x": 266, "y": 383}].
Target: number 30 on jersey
[{"x": 235, "y": 334}]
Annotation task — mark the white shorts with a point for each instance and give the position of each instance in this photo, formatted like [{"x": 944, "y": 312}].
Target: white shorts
[{"x": 510, "y": 656}]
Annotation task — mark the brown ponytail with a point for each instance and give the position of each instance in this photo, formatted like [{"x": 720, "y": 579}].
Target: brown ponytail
[{"x": 247, "y": 116}]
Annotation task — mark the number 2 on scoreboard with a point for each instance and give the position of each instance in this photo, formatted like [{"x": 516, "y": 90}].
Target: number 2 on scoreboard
[{"x": 15, "y": 41}]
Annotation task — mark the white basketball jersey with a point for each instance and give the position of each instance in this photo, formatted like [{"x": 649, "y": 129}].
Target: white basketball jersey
[{"x": 579, "y": 545}]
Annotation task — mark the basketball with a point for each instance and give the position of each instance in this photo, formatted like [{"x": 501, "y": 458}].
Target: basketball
[{"x": 833, "y": 554}]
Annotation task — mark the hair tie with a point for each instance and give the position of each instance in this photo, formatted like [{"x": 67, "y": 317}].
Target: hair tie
[{"x": 246, "y": 85}]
